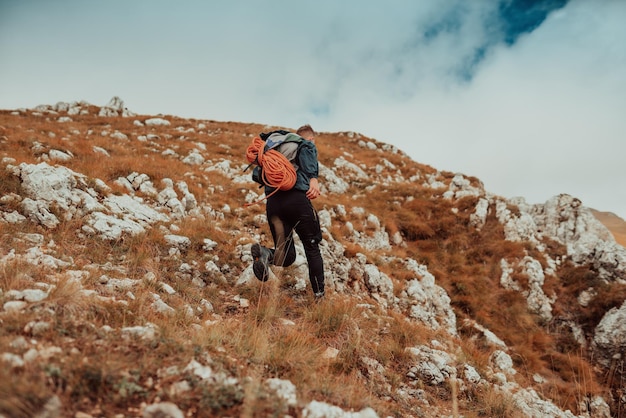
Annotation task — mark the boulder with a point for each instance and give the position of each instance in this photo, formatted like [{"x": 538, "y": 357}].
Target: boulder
[{"x": 609, "y": 341}]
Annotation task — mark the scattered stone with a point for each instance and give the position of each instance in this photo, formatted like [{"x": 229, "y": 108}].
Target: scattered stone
[
  {"x": 157, "y": 122},
  {"x": 163, "y": 410}
]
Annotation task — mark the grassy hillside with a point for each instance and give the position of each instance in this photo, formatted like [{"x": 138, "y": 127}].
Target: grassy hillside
[{"x": 89, "y": 356}]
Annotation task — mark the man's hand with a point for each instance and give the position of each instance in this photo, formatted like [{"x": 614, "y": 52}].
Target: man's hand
[{"x": 314, "y": 189}]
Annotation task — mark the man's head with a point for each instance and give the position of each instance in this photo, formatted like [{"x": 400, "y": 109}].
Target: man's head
[{"x": 306, "y": 132}]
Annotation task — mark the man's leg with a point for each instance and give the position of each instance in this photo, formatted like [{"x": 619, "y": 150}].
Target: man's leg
[
  {"x": 310, "y": 233},
  {"x": 284, "y": 253},
  {"x": 316, "y": 266}
]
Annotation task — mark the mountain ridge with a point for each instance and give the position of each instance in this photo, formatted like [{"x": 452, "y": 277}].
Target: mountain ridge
[
  {"x": 442, "y": 295},
  {"x": 614, "y": 223}
]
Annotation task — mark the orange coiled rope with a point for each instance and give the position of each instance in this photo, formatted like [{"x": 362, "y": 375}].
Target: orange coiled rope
[{"x": 278, "y": 172}]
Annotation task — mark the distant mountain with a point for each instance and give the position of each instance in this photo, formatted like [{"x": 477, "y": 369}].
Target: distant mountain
[
  {"x": 614, "y": 223},
  {"x": 126, "y": 286}
]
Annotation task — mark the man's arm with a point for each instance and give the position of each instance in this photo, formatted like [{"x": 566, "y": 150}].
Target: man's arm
[
  {"x": 310, "y": 167},
  {"x": 314, "y": 189}
]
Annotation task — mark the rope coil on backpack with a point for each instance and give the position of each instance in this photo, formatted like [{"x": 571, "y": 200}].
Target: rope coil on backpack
[{"x": 278, "y": 172}]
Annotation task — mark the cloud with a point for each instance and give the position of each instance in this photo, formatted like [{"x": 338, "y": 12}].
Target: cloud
[
  {"x": 527, "y": 96},
  {"x": 540, "y": 117},
  {"x": 555, "y": 97}
]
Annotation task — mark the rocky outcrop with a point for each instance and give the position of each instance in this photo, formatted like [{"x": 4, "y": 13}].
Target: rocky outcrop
[
  {"x": 587, "y": 241},
  {"x": 115, "y": 107},
  {"x": 58, "y": 191},
  {"x": 427, "y": 302},
  {"x": 565, "y": 219},
  {"x": 538, "y": 302}
]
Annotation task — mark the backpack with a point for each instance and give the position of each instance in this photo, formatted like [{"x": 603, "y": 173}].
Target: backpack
[{"x": 277, "y": 163}]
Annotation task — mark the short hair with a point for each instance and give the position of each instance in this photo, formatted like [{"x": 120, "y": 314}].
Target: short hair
[{"x": 305, "y": 129}]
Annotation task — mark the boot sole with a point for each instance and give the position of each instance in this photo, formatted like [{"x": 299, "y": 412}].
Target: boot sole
[{"x": 260, "y": 268}]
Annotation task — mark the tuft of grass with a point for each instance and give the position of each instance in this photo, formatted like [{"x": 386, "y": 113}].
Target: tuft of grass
[
  {"x": 332, "y": 319},
  {"x": 9, "y": 184},
  {"x": 395, "y": 336},
  {"x": 16, "y": 274},
  {"x": 495, "y": 404},
  {"x": 292, "y": 353}
]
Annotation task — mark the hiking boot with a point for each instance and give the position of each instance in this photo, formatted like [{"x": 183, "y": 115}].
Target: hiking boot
[
  {"x": 261, "y": 265},
  {"x": 319, "y": 295}
]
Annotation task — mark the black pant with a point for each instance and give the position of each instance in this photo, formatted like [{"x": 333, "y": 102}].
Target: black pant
[{"x": 292, "y": 211}]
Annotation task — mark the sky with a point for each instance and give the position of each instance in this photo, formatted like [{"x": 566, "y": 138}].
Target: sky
[{"x": 529, "y": 96}]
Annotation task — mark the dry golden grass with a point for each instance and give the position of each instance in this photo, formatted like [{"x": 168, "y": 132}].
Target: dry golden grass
[
  {"x": 66, "y": 295},
  {"x": 491, "y": 404},
  {"x": 16, "y": 274},
  {"x": 9, "y": 184},
  {"x": 22, "y": 397}
]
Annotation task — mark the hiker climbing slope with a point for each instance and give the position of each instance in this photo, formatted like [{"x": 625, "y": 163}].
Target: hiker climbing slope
[{"x": 289, "y": 208}]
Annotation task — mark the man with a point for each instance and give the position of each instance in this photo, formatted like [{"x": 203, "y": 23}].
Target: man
[{"x": 292, "y": 210}]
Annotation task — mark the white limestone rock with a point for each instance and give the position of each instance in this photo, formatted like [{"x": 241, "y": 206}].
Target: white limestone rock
[
  {"x": 461, "y": 187},
  {"x": 188, "y": 201},
  {"x": 36, "y": 328},
  {"x": 595, "y": 407},
  {"x": 433, "y": 181},
  {"x": 283, "y": 390},
  {"x": 565, "y": 219},
  {"x": 178, "y": 241},
  {"x": 479, "y": 217},
  {"x": 471, "y": 375},
  {"x": 502, "y": 361},
  {"x": 57, "y": 155},
  {"x": 162, "y": 307},
  {"x": 101, "y": 151},
  {"x": 133, "y": 209},
  {"x": 29, "y": 295},
  {"x": 39, "y": 212},
  {"x": 157, "y": 122},
  {"x": 37, "y": 257},
  {"x": 11, "y": 360},
  {"x": 332, "y": 182},
  {"x": 110, "y": 227},
  {"x": 428, "y": 302},
  {"x": 194, "y": 158},
  {"x": 433, "y": 366},
  {"x": 68, "y": 190},
  {"x": 517, "y": 228},
  {"x": 13, "y": 217},
  {"x": 353, "y": 171},
  {"x": 532, "y": 405},
  {"x": 147, "y": 332},
  {"x": 536, "y": 299},
  {"x": 379, "y": 285},
  {"x": 115, "y": 107},
  {"x": 163, "y": 410},
  {"x": 119, "y": 136},
  {"x": 14, "y": 306},
  {"x": 316, "y": 409},
  {"x": 609, "y": 340}
]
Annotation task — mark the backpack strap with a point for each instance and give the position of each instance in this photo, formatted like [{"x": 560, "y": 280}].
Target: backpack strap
[
  {"x": 265, "y": 135},
  {"x": 277, "y": 139}
]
